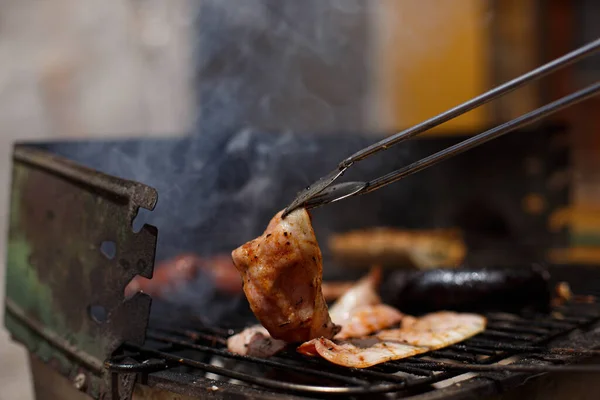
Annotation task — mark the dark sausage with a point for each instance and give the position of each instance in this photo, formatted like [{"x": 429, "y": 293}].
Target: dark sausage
[{"x": 468, "y": 289}]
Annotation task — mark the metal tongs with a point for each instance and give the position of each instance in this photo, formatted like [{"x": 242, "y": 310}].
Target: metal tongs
[{"x": 323, "y": 191}]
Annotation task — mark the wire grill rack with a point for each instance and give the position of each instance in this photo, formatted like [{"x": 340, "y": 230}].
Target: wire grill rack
[{"x": 201, "y": 350}]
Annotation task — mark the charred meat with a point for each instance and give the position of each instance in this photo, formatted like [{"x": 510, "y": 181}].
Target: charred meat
[
  {"x": 360, "y": 353},
  {"x": 436, "y": 330},
  {"x": 282, "y": 272}
]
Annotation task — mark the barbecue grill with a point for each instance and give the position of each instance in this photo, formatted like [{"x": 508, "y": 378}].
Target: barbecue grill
[
  {"x": 527, "y": 337},
  {"x": 72, "y": 250},
  {"x": 74, "y": 245}
]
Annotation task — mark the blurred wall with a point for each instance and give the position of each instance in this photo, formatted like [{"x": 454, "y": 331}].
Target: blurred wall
[
  {"x": 430, "y": 56},
  {"x": 83, "y": 69},
  {"x": 284, "y": 65},
  {"x": 75, "y": 68},
  {"x": 570, "y": 24}
]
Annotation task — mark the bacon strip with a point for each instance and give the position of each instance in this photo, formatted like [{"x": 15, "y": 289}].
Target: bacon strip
[
  {"x": 366, "y": 320},
  {"x": 416, "y": 336},
  {"x": 362, "y": 293},
  {"x": 359, "y": 353},
  {"x": 436, "y": 330}
]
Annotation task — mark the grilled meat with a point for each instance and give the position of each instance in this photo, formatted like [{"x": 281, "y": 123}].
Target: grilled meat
[
  {"x": 334, "y": 290},
  {"x": 358, "y": 353},
  {"x": 365, "y": 320},
  {"x": 436, "y": 330},
  {"x": 416, "y": 336},
  {"x": 358, "y": 311},
  {"x": 167, "y": 276},
  {"x": 362, "y": 293},
  {"x": 255, "y": 341},
  {"x": 281, "y": 272},
  {"x": 395, "y": 248},
  {"x": 171, "y": 274}
]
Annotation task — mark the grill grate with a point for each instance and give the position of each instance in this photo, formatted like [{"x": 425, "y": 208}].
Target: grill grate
[{"x": 507, "y": 335}]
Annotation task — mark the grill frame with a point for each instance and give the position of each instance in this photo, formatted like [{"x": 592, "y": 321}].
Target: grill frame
[{"x": 535, "y": 353}]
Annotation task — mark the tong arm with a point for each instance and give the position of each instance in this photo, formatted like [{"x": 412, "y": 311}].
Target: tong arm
[{"x": 322, "y": 192}]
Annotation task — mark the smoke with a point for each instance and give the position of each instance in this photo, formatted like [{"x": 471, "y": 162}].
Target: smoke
[
  {"x": 215, "y": 192},
  {"x": 282, "y": 65},
  {"x": 198, "y": 300}
]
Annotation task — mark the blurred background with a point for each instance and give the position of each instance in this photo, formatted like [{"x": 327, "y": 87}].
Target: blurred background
[{"x": 149, "y": 68}]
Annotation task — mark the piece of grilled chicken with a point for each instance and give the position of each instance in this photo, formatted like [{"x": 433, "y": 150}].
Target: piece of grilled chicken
[{"x": 282, "y": 272}]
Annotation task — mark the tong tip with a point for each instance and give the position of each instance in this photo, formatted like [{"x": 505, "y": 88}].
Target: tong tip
[{"x": 313, "y": 190}]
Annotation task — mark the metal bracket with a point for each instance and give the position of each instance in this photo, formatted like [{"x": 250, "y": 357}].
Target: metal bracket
[
  {"x": 122, "y": 385},
  {"x": 71, "y": 252}
]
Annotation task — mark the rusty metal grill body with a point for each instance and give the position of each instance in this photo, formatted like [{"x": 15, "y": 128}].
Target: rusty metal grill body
[{"x": 65, "y": 298}]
